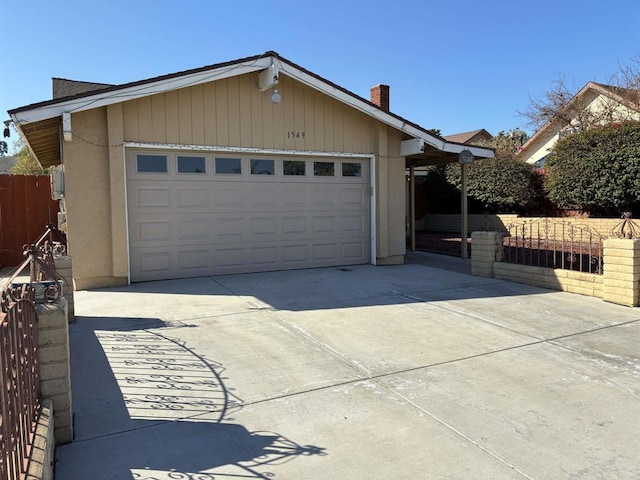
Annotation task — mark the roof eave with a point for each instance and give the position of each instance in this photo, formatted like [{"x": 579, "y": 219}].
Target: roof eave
[{"x": 55, "y": 108}]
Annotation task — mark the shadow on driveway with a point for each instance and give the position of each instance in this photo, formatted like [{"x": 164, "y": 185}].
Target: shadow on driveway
[
  {"x": 148, "y": 407},
  {"x": 331, "y": 288}
]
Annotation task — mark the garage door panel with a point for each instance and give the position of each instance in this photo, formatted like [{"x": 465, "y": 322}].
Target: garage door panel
[
  {"x": 262, "y": 226},
  {"x": 323, "y": 196},
  {"x": 294, "y": 224},
  {"x": 264, "y": 256},
  {"x": 192, "y": 197},
  {"x": 193, "y": 260},
  {"x": 154, "y": 230},
  {"x": 190, "y": 230},
  {"x": 324, "y": 224},
  {"x": 355, "y": 196},
  {"x": 296, "y": 254},
  {"x": 208, "y": 224},
  {"x": 294, "y": 196},
  {"x": 153, "y": 197},
  {"x": 353, "y": 251},
  {"x": 354, "y": 224},
  {"x": 227, "y": 197},
  {"x": 227, "y": 229},
  {"x": 229, "y": 256}
]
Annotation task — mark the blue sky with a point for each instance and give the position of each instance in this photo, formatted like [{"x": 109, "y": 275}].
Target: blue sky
[{"x": 452, "y": 65}]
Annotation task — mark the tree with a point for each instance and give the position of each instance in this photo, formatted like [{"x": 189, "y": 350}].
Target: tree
[
  {"x": 26, "y": 163},
  {"x": 562, "y": 106},
  {"x": 598, "y": 170},
  {"x": 4, "y": 148},
  {"x": 502, "y": 183}
]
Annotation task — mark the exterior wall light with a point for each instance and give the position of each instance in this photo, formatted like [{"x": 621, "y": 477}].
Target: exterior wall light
[{"x": 275, "y": 96}]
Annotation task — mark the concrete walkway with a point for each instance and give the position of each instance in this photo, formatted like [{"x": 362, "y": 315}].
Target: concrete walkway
[{"x": 407, "y": 372}]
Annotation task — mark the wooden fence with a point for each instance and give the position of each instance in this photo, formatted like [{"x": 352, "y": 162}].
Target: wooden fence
[{"x": 25, "y": 208}]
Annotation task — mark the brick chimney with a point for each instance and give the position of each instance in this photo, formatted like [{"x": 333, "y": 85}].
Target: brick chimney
[{"x": 380, "y": 96}]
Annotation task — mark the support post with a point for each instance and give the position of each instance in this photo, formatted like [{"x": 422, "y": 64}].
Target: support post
[
  {"x": 412, "y": 206},
  {"x": 463, "y": 210}
]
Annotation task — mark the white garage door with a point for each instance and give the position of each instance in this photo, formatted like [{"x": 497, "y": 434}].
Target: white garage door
[{"x": 194, "y": 214}]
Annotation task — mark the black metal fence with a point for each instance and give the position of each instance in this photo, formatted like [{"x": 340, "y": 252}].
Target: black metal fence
[{"x": 552, "y": 244}]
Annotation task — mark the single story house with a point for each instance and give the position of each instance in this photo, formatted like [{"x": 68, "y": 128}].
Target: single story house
[
  {"x": 250, "y": 165},
  {"x": 594, "y": 101}
]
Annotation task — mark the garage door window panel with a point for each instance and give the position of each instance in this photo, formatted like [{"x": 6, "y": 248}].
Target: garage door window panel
[
  {"x": 294, "y": 168},
  {"x": 191, "y": 165},
  {"x": 228, "y": 166},
  {"x": 323, "y": 169},
  {"x": 262, "y": 167},
  {"x": 151, "y": 164},
  {"x": 351, "y": 169}
]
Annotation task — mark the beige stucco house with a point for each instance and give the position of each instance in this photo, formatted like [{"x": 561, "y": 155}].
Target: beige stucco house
[
  {"x": 595, "y": 102},
  {"x": 250, "y": 165}
]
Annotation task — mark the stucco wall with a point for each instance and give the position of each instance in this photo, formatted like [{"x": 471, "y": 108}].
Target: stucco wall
[
  {"x": 230, "y": 112},
  {"x": 88, "y": 200}
]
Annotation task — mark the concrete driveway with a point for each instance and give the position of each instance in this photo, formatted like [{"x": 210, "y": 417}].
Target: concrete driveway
[{"x": 407, "y": 372}]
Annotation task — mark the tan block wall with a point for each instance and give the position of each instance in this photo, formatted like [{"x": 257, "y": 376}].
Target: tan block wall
[
  {"x": 622, "y": 271},
  {"x": 620, "y": 282},
  {"x": 553, "y": 279},
  {"x": 64, "y": 269},
  {"x": 53, "y": 358},
  {"x": 498, "y": 223},
  {"x": 41, "y": 460},
  {"x": 486, "y": 250}
]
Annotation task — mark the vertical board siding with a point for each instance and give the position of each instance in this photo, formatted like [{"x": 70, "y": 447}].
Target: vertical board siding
[
  {"x": 159, "y": 118},
  {"x": 197, "y": 115},
  {"x": 233, "y": 112},
  {"x": 172, "y": 134},
  {"x": 184, "y": 116},
  {"x": 25, "y": 208}
]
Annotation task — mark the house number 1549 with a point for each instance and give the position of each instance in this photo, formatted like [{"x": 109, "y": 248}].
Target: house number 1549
[{"x": 295, "y": 134}]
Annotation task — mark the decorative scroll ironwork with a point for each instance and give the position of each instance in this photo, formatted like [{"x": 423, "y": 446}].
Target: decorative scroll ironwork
[
  {"x": 551, "y": 244},
  {"x": 19, "y": 379},
  {"x": 626, "y": 228},
  {"x": 56, "y": 238},
  {"x": 19, "y": 373}
]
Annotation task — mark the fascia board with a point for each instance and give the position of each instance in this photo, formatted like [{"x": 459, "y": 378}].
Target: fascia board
[
  {"x": 363, "y": 107},
  {"x": 477, "y": 151},
  {"x": 380, "y": 115},
  {"x": 138, "y": 91}
]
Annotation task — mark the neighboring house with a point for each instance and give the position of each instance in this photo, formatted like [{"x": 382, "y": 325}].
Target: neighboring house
[
  {"x": 593, "y": 101},
  {"x": 6, "y": 164},
  {"x": 250, "y": 165},
  {"x": 473, "y": 137}
]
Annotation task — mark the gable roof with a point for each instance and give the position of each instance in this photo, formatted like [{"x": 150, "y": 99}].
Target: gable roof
[
  {"x": 46, "y": 114},
  {"x": 63, "y": 87},
  {"x": 627, "y": 97},
  {"x": 465, "y": 137}
]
